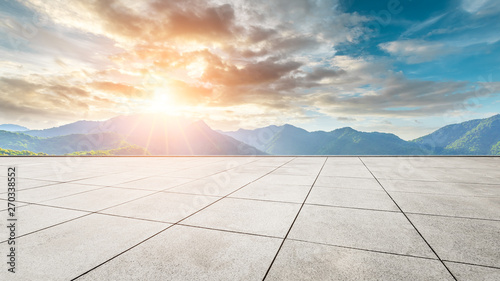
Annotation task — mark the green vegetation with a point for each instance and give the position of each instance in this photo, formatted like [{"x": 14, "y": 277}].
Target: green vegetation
[
  {"x": 475, "y": 137},
  {"x": 128, "y": 150},
  {"x": 62, "y": 144},
  {"x": 10, "y": 152}
]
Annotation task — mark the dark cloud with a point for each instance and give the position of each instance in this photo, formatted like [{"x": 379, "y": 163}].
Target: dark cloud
[{"x": 266, "y": 71}]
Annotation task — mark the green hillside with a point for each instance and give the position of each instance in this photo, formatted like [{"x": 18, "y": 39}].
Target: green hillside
[
  {"x": 62, "y": 144},
  {"x": 475, "y": 137},
  {"x": 128, "y": 150}
]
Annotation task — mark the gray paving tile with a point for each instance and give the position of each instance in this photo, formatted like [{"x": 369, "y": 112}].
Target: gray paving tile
[
  {"x": 97, "y": 199},
  {"x": 465, "y": 272},
  {"x": 69, "y": 249},
  {"x": 112, "y": 179},
  {"x": 212, "y": 186},
  {"x": 343, "y": 197},
  {"x": 461, "y": 206},
  {"x": 273, "y": 192},
  {"x": 23, "y": 183},
  {"x": 187, "y": 253},
  {"x": 34, "y": 217},
  {"x": 288, "y": 179},
  {"x": 355, "y": 171},
  {"x": 461, "y": 240},
  {"x": 450, "y": 188},
  {"x": 365, "y": 229},
  {"x": 343, "y": 161},
  {"x": 167, "y": 207},
  {"x": 307, "y": 261},
  {"x": 40, "y": 194},
  {"x": 346, "y": 182},
  {"x": 154, "y": 183},
  {"x": 249, "y": 216},
  {"x": 402, "y": 172}
]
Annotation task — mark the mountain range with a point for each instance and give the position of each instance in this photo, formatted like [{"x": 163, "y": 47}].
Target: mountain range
[{"x": 156, "y": 134}]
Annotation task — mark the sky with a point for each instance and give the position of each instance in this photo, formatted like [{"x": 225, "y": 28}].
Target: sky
[{"x": 399, "y": 66}]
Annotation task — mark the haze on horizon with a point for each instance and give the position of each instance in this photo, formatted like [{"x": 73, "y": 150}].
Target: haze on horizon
[{"x": 404, "y": 67}]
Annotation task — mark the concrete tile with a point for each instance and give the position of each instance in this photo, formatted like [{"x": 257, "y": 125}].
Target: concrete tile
[
  {"x": 166, "y": 207},
  {"x": 307, "y": 261},
  {"x": 462, "y": 240},
  {"x": 287, "y": 179},
  {"x": 23, "y": 183},
  {"x": 69, "y": 249},
  {"x": 273, "y": 192},
  {"x": 355, "y": 171},
  {"x": 445, "y": 188},
  {"x": 187, "y": 253},
  {"x": 461, "y": 206},
  {"x": 365, "y": 229},
  {"x": 402, "y": 172},
  {"x": 464, "y": 175},
  {"x": 345, "y": 182},
  {"x": 41, "y": 194},
  {"x": 97, "y": 199},
  {"x": 465, "y": 272},
  {"x": 212, "y": 186},
  {"x": 343, "y": 197},
  {"x": 298, "y": 170},
  {"x": 112, "y": 179},
  {"x": 154, "y": 183},
  {"x": 34, "y": 217},
  {"x": 249, "y": 216},
  {"x": 343, "y": 161}
]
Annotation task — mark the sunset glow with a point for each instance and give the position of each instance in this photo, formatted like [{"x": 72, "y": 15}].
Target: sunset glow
[{"x": 320, "y": 65}]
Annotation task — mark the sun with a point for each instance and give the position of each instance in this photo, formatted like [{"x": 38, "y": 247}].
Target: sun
[{"x": 162, "y": 101}]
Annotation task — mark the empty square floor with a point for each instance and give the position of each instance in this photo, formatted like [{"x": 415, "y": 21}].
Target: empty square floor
[{"x": 252, "y": 218}]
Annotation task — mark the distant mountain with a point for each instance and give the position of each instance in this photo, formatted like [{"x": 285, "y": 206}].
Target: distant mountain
[
  {"x": 62, "y": 144},
  {"x": 290, "y": 140},
  {"x": 158, "y": 134},
  {"x": 475, "y": 137},
  {"x": 161, "y": 135},
  {"x": 12, "y": 128},
  {"x": 79, "y": 127}
]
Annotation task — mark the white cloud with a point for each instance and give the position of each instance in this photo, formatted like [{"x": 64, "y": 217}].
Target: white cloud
[
  {"x": 481, "y": 7},
  {"x": 415, "y": 50}
]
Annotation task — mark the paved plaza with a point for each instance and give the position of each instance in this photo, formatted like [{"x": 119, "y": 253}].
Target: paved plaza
[{"x": 253, "y": 218}]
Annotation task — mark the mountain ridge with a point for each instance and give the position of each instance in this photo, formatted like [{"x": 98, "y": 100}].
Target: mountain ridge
[{"x": 167, "y": 135}]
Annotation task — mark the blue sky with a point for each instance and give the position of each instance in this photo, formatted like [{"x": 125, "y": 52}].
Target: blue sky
[{"x": 405, "y": 67}]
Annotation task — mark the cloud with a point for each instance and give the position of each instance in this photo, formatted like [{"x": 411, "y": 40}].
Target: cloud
[
  {"x": 481, "y": 7},
  {"x": 422, "y": 25},
  {"x": 415, "y": 50}
]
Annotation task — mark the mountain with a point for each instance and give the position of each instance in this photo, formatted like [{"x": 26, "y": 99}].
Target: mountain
[
  {"x": 79, "y": 127},
  {"x": 475, "y": 137},
  {"x": 290, "y": 140},
  {"x": 62, "y": 144},
  {"x": 13, "y": 128},
  {"x": 158, "y": 134}
]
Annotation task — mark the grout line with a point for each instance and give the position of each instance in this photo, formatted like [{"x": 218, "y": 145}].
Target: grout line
[
  {"x": 362, "y": 249},
  {"x": 454, "y": 217},
  {"x": 119, "y": 254},
  {"x": 414, "y": 227},
  {"x": 293, "y": 222},
  {"x": 445, "y": 194},
  {"x": 473, "y": 264}
]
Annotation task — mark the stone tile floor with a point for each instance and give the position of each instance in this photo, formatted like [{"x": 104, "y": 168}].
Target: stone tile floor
[{"x": 254, "y": 218}]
